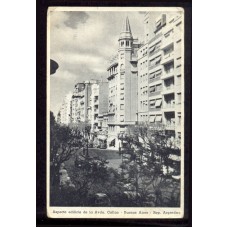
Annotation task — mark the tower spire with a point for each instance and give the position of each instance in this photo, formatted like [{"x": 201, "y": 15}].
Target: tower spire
[{"x": 126, "y": 30}]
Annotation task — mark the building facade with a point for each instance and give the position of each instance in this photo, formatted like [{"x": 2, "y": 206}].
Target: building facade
[
  {"x": 144, "y": 83},
  {"x": 160, "y": 69},
  {"x": 80, "y": 103},
  {"x": 122, "y": 78},
  {"x": 64, "y": 116}
]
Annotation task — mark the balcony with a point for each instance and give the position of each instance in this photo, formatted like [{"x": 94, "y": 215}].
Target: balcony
[
  {"x": 167, "y": 42},
  {"x": 112, "y": 75},
  {"x": 170, "y": 127},
  {"x": 154, "y": 109},
  {"x": 167, "y": 74},
  {"x": 155, "y": 38},
  {"x": 168, "y": 107},
  {"x": 78, "y": 95},
  {"x": 168, "y": 89},
  {"x": 154, "y": 66},
  {"x": 167, "y": 58},
  {"x": 154, "y": 79},
  {"x": 154, "y": 52},
  {"x": 154, "y": 93}
]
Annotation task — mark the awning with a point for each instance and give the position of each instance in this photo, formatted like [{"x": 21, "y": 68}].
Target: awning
[
  {"x": 158, "y": 72},
  {"x": 158, "y": 59},
  {"x": 158, "y": 118},
  {"x": 102, "y": 137},
  {"x": 158, "y": 103},
  {"x": 152, "y": 118},
  {"x": 152, "y": 76},
  {"x": 152, "y": 48}
]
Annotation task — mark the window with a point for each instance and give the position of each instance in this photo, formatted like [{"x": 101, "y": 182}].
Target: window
[
  {"x": 178, "y": 79},
  {"x": 122, "y": 96},
  {"x": 178, "y": 25},
  {"x": 122, "y": 86},
  {"x": 152, "y": 89},
  {"x": 168, "y": 50},
  {"x": 179, "y": 120},
  {"x": 152, "y": 103},
  {"x": 122, "y": 43},
  {"x": 178, "y": 98},
  {"x": 121, "y": 67},
  {"x": 121, "y": 118},
  {"x": 152, "y": 49},
  {"x": 122, "y": 107},
  {"x": 122, "y": 76},
  {"x": 158, "y": 87},
  {"x": 158, "y": 118},
  {"x": 158, "y": 103},
  {"x": 158, "y": 59},
  {"x": 127, "y": 43},
  {"x": 169, "y": 67},
  {"x": 152, "y": 118}
]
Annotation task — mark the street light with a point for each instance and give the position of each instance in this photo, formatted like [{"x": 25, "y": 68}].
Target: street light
[
  {"x": 87, "y": 146},
  {"x": 121, "y": 138}
]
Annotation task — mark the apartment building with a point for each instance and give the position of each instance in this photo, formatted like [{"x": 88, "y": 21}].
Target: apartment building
[
  {"x": 155, "y": 71},
  {"x": 122, "y": 78},
  {"x": 93, "y": 107},
  {"x": 143, "y": 83},
  {"x": 80, "y": 103},
  {"x": 172, "y": 62},
  {"x": 64, "y": 116},
  {"x": 160, "y": 69}
]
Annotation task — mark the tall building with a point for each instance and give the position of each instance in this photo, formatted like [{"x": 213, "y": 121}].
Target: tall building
[
  {"x": 122, "y": 78},
  {"x": 80, "y": 103},
  {"x": 94, "y": 103},
  {"x": 64, "y": 116},
  {"x": 77, "y": 102},
  {"x": 99, "y": 110},
  {"x": 172, "y": 63},
  {"x": 160, "y": 72}
]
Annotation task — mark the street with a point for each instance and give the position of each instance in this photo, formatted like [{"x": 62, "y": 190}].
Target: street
[{"x": 112, "y": 156}]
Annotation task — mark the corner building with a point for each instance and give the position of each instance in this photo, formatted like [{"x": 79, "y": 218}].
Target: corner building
[{"x": 122, "y": 78}]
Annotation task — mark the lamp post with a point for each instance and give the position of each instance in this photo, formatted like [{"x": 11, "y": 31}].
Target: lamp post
[{"x": 121, "y": 138}]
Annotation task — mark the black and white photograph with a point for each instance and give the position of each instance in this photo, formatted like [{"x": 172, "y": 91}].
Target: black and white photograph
[{"x": 115, "y": 112}]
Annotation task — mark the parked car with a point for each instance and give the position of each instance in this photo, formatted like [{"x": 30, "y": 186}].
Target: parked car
[{"x": 101, "y": 199}]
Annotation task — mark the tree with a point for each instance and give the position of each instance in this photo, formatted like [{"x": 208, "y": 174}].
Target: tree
[
  {"x": 151, "y": 163},
  {"x": 64, "y": 143}
]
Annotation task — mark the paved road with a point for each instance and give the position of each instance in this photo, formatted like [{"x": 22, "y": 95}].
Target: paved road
[{"x": 112, "y": 156}]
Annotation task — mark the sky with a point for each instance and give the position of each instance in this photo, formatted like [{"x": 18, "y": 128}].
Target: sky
[{"x": 82, "y": 42}]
